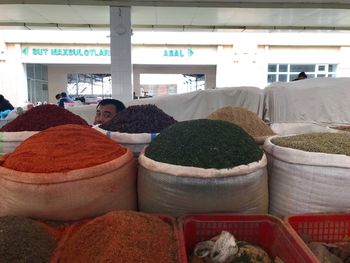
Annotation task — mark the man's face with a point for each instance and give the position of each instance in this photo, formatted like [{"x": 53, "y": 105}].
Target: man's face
[{"x": 105, "y": 113}]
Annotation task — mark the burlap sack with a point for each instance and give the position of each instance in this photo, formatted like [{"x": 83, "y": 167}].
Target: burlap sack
[
  {"x": 179, "y": 190},
  {"x": 72, "y": 195}
]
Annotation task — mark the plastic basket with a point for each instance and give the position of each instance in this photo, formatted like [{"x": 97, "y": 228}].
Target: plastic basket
[
  {"x": 328, "y": 228},
  {"x": 268, "y": 232}
]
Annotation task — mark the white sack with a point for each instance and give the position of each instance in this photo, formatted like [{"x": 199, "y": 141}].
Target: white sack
[
  {"x": 299, "y": 128},
  {"x": 199, "y": 104},
  {"x": 134, "y": 141},
  {"x": 306, "y": 182},
  {"x": 179, "y": 190},
  {"x": 321, "y": 100}
]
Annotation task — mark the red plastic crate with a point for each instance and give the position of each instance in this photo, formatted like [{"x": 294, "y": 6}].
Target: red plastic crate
[
  {"x": 328, "y": 228},
  {"x": 266, "y": 231}
]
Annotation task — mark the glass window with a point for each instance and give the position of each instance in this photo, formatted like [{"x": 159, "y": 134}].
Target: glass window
[
  {"x": 301, "y": 67},
  {"x": 271, "y": 78},
  {"x": 289, "y": 72},
  {"x": 89, "y": 84},
  {"x": 30, "y": 71},
  {"x": 332, "y": 68},
  {"x": 272, "y": 67},
  {"x": 321, "y": 67},
  {"x": 37, "y": 71},
  {"x": 283, "y": 68},
  {"x": 282, "y": 77}
]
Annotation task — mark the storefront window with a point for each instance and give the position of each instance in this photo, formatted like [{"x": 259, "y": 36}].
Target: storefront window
[
  {"x": 37, "y": 83},
  {"x": 89, "y": 84}
]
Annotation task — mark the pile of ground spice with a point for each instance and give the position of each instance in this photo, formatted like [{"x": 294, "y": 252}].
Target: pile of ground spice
[
  {"x": 63, "y": 148},
  {"x": 122, "y": 236},
  {"x": 139, "y": 119},
  {"x": 22, "y": 240},
  {"x": 205, "y": 144},
  {"x": 41, "y": 118},
  {"x": 245, "y": 119},
  {"x": 332, "y": 143}
]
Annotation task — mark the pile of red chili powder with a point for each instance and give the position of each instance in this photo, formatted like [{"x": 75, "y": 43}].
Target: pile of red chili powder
[
  {"x": 41, "y": 118},
  {"x": 122, "y": 236},
  {"x": 63, "y": 148}
]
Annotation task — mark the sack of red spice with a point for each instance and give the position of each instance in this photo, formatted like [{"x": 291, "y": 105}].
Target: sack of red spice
[
  {"x": 59, "y": 174},
  {"x": 31, "y": 122}
]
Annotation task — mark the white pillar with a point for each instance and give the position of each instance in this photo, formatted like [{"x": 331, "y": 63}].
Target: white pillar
[{"x": 121, "y": 69}]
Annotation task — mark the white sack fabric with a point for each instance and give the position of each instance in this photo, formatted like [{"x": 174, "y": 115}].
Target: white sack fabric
[
  {"x": 306, "y": 182},
  {"x": 179, "y": 190},
  {"x": 199, "y": 104},
  {"x": 299, "y": 128},
  {"x": 134, "y": 141},
  {"x": 321, "y": 100},
  {"x": 10, "y": 140},
  {"x": 72, "y": 195}
]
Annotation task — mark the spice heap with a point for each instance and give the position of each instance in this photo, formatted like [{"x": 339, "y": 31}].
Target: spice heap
[
  {"x": 332, "y": 143},
  {"x": 123, "y": 236},
  {"x": 139, "y": 119},
  {"x": 205, "y": 144},
  {"x": 245, "y": 119},
  {"x": 22, "y": 240},
  {"x": 41, "y": 118},
  {"x": 63, "y": 148}
]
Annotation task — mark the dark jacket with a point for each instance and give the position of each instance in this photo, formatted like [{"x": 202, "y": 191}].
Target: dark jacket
[{"x": 5, "y": 105}]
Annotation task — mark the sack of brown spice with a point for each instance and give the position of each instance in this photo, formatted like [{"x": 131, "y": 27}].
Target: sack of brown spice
[{"x": 246, "y": 119}]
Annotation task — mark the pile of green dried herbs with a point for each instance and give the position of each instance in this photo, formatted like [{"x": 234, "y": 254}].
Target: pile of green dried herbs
[
  {"x": 23, "y": 240},
  {"x": 332, "y": 143},
  {"x": 139, "y": 119},
  {"x": 205, "y": 144}
]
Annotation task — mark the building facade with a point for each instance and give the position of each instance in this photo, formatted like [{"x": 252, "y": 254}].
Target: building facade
[{"x": 35, "y": 66}]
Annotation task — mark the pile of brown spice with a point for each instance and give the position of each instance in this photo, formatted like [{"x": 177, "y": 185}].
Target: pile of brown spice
[
  {"x": 122, "y": 236},
  {"x": 23, "y": 240},
  {"x": 63, "y": 148},
  {"x": 331, "y": 143},
  {"x": 244, "y": 118}
]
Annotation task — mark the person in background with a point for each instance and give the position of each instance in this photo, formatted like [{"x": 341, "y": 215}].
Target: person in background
[
  {"x": 64, "y": 98},
  {"x": 5, "y": 104},
  {"x": 58, "y": 96},
  {"x": 301, "y": 75},
  {"x": 106, "y": 109}
]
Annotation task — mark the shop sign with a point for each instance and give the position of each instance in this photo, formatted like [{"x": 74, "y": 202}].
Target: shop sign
[
  {"x": 86, "y": 52},
  {"x": 178, "y": 52}
]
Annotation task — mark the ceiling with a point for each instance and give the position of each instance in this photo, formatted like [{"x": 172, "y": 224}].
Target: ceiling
[{"x": 178, "y": 15}]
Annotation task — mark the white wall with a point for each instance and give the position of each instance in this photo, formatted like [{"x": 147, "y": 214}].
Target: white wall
[
  {"x": 344, "y": 66},
  {"x": 13, "y": 81}
]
